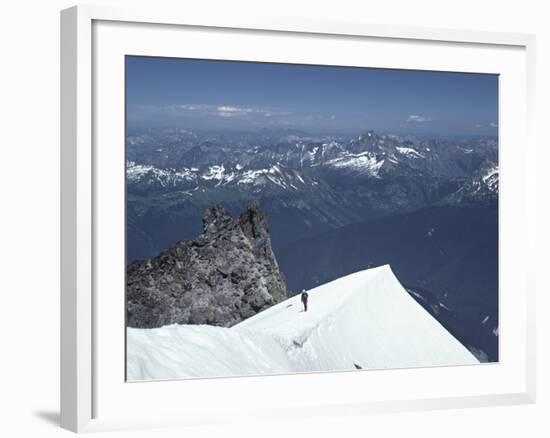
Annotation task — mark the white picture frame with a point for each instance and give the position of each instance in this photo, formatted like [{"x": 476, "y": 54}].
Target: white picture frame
[{"x": 92, "y": 392}]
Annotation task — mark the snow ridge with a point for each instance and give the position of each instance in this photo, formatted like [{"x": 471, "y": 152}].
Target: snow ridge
[{"x": 364, "y": 320}]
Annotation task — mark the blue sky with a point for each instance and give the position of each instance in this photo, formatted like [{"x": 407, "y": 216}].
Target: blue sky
[{"x": 217, "y": 95}]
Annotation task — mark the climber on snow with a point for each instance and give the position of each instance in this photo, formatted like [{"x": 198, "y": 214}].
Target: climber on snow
[{"x": 304, "y": 299}]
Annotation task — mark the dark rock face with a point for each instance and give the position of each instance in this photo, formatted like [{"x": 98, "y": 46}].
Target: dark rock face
[{"x": 229, "y": 273}]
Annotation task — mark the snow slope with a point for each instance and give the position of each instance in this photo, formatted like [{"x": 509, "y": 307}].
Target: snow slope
[{"x": 364, "y": 320}]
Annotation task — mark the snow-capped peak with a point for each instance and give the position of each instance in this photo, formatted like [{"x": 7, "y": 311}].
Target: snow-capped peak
[
  {"x": 365, "y": 163},
  {"x": 484, "y": 184},
  {"x": 410, "y": 152},
  {"x": 164, "y": 177},
  {"x": 491, "y": 178}
]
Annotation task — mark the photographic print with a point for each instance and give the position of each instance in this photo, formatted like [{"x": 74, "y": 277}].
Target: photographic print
[{"x": 285, "y": 218}]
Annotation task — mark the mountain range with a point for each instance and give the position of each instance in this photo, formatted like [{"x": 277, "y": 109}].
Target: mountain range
[{"x": 307, "y": 185}]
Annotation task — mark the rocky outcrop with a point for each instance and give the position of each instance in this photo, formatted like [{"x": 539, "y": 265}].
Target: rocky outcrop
[{"x": 229, "y": 273}]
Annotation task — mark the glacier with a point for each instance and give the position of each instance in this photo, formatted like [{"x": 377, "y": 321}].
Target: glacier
[{"x": 365, "y": 320}]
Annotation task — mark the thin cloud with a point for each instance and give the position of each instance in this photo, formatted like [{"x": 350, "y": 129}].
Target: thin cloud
[
  {"x": 415, "y": 118},
  {"x": 187, "y": 107},
  {"x": 248, "y": 114},
  {"x": 234, "y": 111},
  {"x": 207, "y": 110},
  {"x": 490, "y": 125}
]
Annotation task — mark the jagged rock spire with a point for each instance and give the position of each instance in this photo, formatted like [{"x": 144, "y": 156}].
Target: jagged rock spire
[{"x": 226, "y": 275}]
